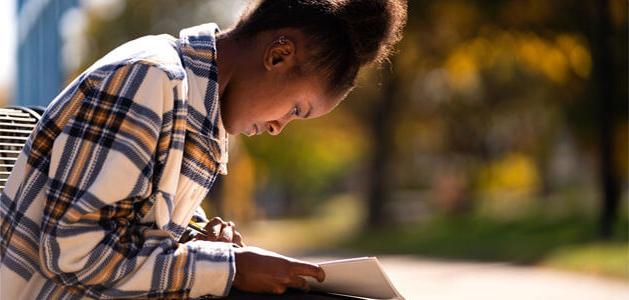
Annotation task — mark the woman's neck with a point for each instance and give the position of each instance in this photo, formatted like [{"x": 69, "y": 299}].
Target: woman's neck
[{"x": 227, "y": 52}]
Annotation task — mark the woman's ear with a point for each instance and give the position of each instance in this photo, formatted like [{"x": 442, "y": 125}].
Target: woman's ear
[{"x": 280, "y": 53}]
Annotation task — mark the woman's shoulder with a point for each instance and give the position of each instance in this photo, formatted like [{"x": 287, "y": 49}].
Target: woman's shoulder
[{"x": 155, "y": 51}]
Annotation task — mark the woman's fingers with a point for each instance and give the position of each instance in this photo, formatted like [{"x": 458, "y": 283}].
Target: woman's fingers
[
  {"x": 298, "y": 282},
  {"x": 213, "y": 228},
  {"x": 264, "y": 271},
  {"x": 238, "y": 240},
  {"x": 307, "y": 269},
  {"x": 278, "y": 289},
  {"x": 221, "y": 231},
  {"x": 227, "y": 234},
  {"x": 279, "y": 285}
]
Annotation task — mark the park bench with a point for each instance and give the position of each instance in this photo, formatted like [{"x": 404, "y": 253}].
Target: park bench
[{"x": 16, "y": 124}]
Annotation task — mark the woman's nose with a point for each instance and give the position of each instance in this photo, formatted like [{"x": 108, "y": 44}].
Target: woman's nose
[{"x": 276, "y": 127}]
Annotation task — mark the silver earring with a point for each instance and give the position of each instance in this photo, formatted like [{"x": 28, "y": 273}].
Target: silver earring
[{"x": 282, "y": 40}]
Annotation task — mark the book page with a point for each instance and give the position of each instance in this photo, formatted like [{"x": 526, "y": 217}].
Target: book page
[{"x": 361, "y": 277}]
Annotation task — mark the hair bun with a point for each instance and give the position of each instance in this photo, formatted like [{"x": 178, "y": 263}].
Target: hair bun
[
  {"x": 342, "y": 35},
  {"x": 373, "y": 26}
]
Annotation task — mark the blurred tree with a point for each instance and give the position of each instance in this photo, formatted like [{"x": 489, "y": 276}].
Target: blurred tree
[
  {"x": 605, "y": 81},
  {"x": 307, "y": 162},
  {"x": 478, "y": 81},
  {"x": 382, "y": 122}
]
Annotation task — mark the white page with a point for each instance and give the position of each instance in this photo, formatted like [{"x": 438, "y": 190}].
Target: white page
[{"x": 361, "y": 277}]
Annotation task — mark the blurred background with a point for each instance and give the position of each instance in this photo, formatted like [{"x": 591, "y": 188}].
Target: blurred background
[{"x": 498, "y": 132}]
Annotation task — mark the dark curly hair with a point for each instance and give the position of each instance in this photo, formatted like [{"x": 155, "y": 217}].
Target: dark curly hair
[{"x": 343, "y": 35}]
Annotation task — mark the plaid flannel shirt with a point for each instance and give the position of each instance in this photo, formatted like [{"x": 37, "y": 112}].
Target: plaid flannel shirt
[{"x": 112, "y": 174}]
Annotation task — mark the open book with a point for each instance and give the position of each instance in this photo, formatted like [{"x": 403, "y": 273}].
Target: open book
[{"x": 358, "y": 277}]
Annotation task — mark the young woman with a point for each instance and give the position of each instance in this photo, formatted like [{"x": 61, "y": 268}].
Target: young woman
[{"x": 100, "y": 199}]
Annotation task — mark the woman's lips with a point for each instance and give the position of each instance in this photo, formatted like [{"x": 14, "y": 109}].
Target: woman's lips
[{"x": 253, "y": 131}]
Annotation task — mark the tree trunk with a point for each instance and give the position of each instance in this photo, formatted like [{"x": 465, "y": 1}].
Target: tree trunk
[
  {"x": 382, "y": 121},
  {"x": 604, "y": 82}
]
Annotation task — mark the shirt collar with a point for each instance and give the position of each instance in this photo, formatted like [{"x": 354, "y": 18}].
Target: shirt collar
[{"x": 197, "y": 48}]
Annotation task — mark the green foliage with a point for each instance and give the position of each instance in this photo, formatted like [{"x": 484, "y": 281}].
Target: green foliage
[
  {"x": 524, "y": 241},
  {"x": 599, "y": 258},
  {"x": 309, "y": 157}
]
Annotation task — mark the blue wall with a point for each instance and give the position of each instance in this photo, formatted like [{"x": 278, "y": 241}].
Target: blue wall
[{"x": 39, "y": 70}]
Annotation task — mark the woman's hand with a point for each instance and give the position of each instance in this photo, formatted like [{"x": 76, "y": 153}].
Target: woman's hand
[
  {"x": 262, "y": 271},
  {"x": 220, "y": 231}
]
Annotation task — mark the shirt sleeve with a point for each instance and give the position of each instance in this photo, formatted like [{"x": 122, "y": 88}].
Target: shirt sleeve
[{"x": 101, "y": 169}]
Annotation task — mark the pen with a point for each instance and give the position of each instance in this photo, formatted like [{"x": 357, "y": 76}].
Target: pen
[{"x": 198, "y": 228}]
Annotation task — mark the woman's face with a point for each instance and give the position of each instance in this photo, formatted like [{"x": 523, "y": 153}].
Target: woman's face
[{"x": 263, "y": 96}]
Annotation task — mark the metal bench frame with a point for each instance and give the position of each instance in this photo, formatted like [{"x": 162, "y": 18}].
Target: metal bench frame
[{"x": 16, "y": 125}]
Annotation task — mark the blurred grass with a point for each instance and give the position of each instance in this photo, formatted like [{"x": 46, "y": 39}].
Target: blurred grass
[
  {"x": 336, "y": 221},
  {"x": 568, "y": 242},
  {"x": 600, "y": 258}
]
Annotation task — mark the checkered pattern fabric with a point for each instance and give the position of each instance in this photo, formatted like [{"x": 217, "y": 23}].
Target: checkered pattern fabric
[{"x": 112, "y": 174}]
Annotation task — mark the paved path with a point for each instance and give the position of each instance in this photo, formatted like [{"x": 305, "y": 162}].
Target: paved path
[{"x": 446, "y": 280}]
